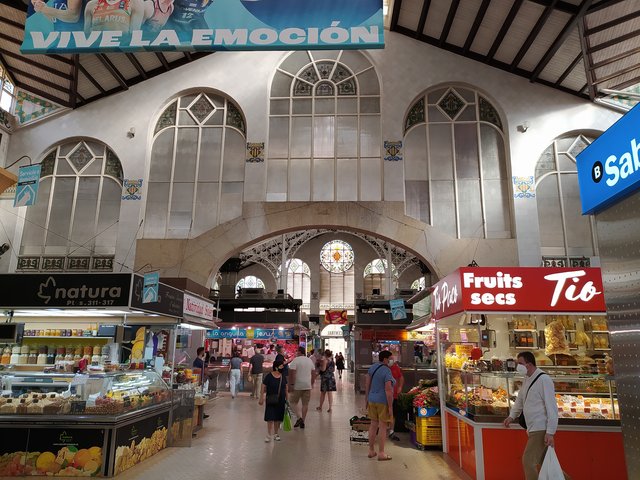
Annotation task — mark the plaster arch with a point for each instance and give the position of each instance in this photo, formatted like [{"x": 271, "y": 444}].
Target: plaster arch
[{"x": 200, "y": 258}]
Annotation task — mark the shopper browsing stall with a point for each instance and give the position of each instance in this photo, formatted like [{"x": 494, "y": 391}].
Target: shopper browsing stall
[
  {"x": 537, "y": 404},
  {"x": 379, "y": 403}
]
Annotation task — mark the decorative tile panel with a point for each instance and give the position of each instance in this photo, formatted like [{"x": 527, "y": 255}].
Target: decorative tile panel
[
  {"x": 524, "y": 187},
  {"x": 393, "y": 151},
  {"x": 255, "y": 152},
  {"x": 28, "y": 263},
  {"x": 78, "y": 263}
]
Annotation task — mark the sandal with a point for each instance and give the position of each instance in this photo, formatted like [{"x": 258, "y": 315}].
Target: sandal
[
  {"x": 372, "y": 455},
  {"x": 384, "y": 459},
  {"x": 329, "y": 410}
]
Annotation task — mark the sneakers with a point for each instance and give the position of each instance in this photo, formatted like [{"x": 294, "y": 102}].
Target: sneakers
[
  {"x": 298, "y": 423},
  {"x": 276, "y": 437},
  {"x": 301, "y": 424},
  {"x": 267, "y": 439}
]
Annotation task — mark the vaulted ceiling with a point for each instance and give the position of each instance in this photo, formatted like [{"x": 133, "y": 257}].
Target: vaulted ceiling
[{"x": 582, "y": 47}]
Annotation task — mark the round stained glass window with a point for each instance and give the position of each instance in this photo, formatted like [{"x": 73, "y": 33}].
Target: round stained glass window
[{"x": 336, "y": 256}]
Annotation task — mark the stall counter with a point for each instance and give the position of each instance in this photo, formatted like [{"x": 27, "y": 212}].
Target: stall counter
[{"x": 488, "y": 451}]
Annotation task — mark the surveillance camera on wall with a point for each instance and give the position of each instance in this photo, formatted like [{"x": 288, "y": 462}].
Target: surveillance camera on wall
[{"x": 4, "y": 248}]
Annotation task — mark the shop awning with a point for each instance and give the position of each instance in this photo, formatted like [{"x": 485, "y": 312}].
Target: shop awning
[{"x": 419, "y": 322}]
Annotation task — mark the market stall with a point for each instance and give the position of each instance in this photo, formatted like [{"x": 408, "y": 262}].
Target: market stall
[
  {"x": 84, "y": 365},
  {"x": 483, "y": 318}
]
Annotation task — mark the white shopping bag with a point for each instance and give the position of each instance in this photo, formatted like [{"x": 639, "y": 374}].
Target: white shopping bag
[{"x": 551, "y": 469}]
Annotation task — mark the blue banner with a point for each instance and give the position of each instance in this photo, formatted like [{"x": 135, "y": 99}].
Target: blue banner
[
  {"x": 62, "y": 26},
  {"x": 27, "y": 187},
  {"x": 256, "y": 333},
  {"x": 609, "y": 168},
  {"x": 398, "y": 312},
  {"x": 150, "y": 287}
]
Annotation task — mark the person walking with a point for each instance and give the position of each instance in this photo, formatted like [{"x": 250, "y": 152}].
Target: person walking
[
  {"x": 379, "y": 404},
  {"x": 302, "y": 376},
  {"x": 235, "y": 374},
  {"x": 255, "y": 370},
  {"x": 274, "y": 388},
  {"x": 340, "y": 364},
  {"x": 280, "y": 357},
  {"x": 327, "y": 379},
  {"x": 537, "y": 402}
]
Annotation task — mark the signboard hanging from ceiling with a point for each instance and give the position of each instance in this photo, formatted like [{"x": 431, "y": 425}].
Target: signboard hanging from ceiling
[{"x": 204, "y": 25}]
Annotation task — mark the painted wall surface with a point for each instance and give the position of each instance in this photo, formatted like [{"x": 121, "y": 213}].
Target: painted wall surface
[{"x": 405, "y": 67}]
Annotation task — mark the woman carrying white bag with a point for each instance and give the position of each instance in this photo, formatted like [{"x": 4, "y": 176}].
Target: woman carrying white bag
[{"x": 537, "y": 404}]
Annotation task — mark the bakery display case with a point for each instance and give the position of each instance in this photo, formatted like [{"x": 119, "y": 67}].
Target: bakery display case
[
  {"x": 65, "y": 424},
  {"x": 487, "y": 396}
]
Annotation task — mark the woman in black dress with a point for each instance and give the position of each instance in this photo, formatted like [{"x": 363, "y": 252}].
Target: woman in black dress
[
  {"x": 274, "y": 384},
  {"x": 339, "y": 364},
  {"x": 327, "y": 379}
]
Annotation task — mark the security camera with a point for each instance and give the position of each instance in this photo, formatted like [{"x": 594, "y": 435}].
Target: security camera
[
  {"x": 4, "y": 248},
  {"x": 132, "y": 132}
]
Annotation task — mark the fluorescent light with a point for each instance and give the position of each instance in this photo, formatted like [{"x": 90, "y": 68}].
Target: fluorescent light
[
  {"x": 385, "y": 10},
  {"x": 192, "y": 327},
  {"x": 281, "y": 328}
]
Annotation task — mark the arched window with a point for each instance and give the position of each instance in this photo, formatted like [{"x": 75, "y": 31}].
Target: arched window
[
  {"x": 419, "y": 284},
  {"x": 565, "y": 234},
  {"x": 324, "y": 129},
  {"x": 337, "y": 281},
  {"x": 299, "y": 282},
  {"x": 250, "y": 281},
  {"x": 196, "y": 180},
  {"x": 375, "y": 276},
  {"x": 74, "y": 223},
  {"x": 456, "y": 174}
]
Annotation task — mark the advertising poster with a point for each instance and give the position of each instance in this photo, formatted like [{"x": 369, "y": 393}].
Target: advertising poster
[
  {"x": 59, "y": 452},
  {"x": 140, "y": 440},
  {"x": 85, "y": 26},
  {"x": 335, "y": 317},
  {"x": 27, "y": 188}
]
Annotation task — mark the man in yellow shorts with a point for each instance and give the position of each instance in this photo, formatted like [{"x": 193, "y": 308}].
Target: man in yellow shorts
[{"x": 379, "y": 403}]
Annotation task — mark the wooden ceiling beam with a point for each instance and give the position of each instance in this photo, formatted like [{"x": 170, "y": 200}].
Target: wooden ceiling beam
[
  {"x": 626, "y": 84},
  {"x": 569, "y": 69},
  {"x": 453, "y": 9},
  {"x": 614, "y": 41},
  {"x": 39, "y": 79},
  {"x": 163, "y": 61},
  {"x": 424, "y": 12},
  {"x": 615, "y": 58},
  {"x": 395, "y": 14},
  {"x": 586, "y": 58},
  {"x": 604, "y": 4},
  {"x": 113, "y": 70},
  {"x": 33, "y": 64},
  {"x": 546, "y": 13},
  {"x": 138, "y": 66},
  {"x": 483, "y": 59},
  {"x": 515, "y": 8},
  {"x": 45, "y": 95},
  {"x": 73, "y": 90},
  {"x": 613, "y": 23},
  {"x": 482, "y": 11},
  {"x": 561, "y": 38},
  {"x": 90, "y": 78},
  {"x": 561, "y": 6},
  {"x": 616, "y": 74}
]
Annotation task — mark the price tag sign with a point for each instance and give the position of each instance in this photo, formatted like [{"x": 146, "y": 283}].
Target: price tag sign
[{"x": 80, "y": 380}]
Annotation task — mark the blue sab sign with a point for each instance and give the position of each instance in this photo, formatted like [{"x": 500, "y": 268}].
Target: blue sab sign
[
  {"x": 227, "y": 333},
  {"x": 27, "y": 187},
  {"x": 609, "y": 168},
  {"x": 127, "y": 26},
  {"x": 151, "y": 287},
  {"x": 398, "y": 311}
]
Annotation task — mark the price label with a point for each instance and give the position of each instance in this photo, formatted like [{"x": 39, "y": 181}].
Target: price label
[
  {"x": 80, "y": 380},
  {"x": 43, "y": 380}
]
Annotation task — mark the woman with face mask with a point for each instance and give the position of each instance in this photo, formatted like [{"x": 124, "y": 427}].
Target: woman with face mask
[{"x": 274, "y": 395}]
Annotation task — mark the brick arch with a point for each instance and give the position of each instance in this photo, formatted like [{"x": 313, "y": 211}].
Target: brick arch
[{"x": 200, "y": 258}]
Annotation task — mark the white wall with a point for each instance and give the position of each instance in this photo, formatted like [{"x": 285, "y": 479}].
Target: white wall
[{"x": 406, "y": 68}]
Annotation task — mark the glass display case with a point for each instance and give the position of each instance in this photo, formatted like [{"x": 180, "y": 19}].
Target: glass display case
[
  {"x": 110, "y": 393},
  {"x": 487, "y": 396}
]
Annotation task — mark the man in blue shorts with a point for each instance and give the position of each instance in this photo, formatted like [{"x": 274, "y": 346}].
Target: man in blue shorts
[{"x": 379, "y": 403}]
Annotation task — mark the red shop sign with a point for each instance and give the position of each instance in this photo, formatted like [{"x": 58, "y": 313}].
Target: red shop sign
[{"x": 519, "y": 289}]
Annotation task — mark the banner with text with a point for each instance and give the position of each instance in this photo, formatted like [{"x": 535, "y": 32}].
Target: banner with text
[{"x": 55, "y": 26}]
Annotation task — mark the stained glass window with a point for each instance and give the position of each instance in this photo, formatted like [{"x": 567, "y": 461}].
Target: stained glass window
[
  {"x": 418, "y": 284},
  {"x": 299, "y": 282},
  {"x": 250, "y": 281},
  {"x": 74, "y": 224},
  {"x": 196, "y": 181},
  {"x": 564, "y": 232},
  {"x": 378, "y": 266},
  {"x": 337, "y": 256}
]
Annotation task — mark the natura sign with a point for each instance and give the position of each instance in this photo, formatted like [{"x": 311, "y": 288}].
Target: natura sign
[{"x": 609, "y": 168}]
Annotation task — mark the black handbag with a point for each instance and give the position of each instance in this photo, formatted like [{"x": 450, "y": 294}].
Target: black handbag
[
  {"x": 521, "y": 420},
  {"x": 273, "y": 399}
]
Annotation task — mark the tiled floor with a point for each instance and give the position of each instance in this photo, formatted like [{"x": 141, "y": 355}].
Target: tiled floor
[{"x": 232, "y": 446}]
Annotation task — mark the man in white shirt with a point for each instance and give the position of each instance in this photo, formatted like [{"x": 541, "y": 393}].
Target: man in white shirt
[
  {"x": 537, "y": 402},
  {"x": 302, "y": 375}
]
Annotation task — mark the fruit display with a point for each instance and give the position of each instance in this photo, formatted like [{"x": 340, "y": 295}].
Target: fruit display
[
  {"x": 522, "y": 322},
  {"x": 597, "y": 324},
  {"x": 129, "y": 456},
  {"x": 67, "y": 462}
]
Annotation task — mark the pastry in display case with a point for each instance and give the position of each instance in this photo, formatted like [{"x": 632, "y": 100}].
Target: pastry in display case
[
  {"x": 489, "y": 396},
  {"x": 29, "y": 393}
]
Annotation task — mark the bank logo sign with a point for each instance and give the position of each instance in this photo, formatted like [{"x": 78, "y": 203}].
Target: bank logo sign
[
  {"x": 155, "y": 25},
  {"x": 609, "y": 168}
]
